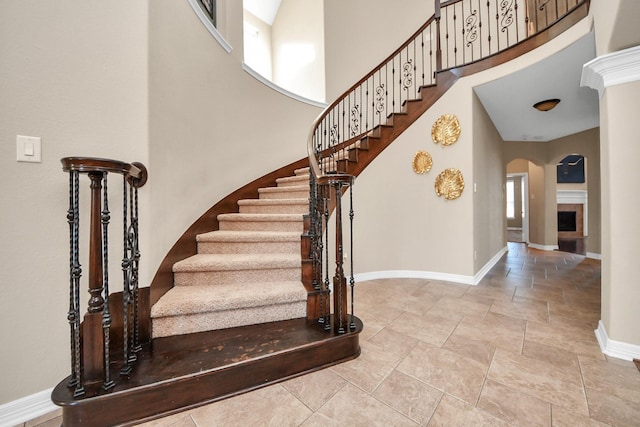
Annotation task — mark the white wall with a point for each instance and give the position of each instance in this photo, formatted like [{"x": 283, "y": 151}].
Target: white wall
[
  {"x": 489, "y": 201},
  {"x": 360, "y": 34},
  {"x": 620, "y": 230},
  {"x": 400, "y": 223},
  {"x": 257, "y": 45},
  {"x": 213, "y": 127},
  {"x": 298, "y": 48},
  {"x": 75, "y": 74}
]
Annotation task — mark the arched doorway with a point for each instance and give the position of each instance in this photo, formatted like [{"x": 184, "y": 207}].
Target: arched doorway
[{"x": 517, "y": 201}]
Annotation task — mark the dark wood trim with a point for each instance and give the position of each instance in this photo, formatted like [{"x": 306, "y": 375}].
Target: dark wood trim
[
  {"x": 135, "y": 171},
  {"x": 177, "y": 373},
  {"x": 186, "y": 245},
  {"x": 527, "y": 45},
  {"x": 387, "y": 134}
]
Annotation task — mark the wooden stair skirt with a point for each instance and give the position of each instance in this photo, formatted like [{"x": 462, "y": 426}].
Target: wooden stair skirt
[{"x": 180, "y": 372}]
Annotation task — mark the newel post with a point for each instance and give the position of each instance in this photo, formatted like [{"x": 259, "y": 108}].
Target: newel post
[{"x": 93, "y": 345}]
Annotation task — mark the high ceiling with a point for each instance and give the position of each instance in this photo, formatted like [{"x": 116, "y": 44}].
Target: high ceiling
[
  {"x": 509, "y": 100},
  {"x": 263, "y": 9}
]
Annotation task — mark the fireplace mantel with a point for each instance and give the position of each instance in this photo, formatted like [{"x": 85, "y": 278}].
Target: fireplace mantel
[{"x": 575, "y": 197}]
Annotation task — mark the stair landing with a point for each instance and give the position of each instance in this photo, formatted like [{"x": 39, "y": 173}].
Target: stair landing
[{"x": 176, "y": 373}]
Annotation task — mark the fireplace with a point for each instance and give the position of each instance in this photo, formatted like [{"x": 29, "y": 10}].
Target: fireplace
[
  {"x": 570, "y": 220},
  {"x": 567, "y": 220}
]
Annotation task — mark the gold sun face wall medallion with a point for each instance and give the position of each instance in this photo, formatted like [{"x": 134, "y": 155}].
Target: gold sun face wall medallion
[
  {"x": 449, "y": 184},
  {"x": 445, "y": 130},
  {"x": 422, "y": 162}
]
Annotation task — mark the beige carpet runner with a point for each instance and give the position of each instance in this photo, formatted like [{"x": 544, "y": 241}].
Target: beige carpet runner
[{"x": 247, "y": 272}]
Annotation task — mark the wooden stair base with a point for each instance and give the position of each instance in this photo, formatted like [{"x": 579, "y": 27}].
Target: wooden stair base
[{"x": 180, "y": 372}]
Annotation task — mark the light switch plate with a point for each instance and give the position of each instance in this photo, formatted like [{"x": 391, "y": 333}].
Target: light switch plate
[{"x": 29, "y": 149}]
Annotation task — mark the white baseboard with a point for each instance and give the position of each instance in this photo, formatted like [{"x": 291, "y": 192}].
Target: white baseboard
[
  {"x": 617, "y": 349},
  {"x": 544, "y": 247},
  {"x": 432, "y": 275},
  {"x": 489, "y": 265},
  {"x": 594, "y": 255},
  {"x": 26, "y": 408}
]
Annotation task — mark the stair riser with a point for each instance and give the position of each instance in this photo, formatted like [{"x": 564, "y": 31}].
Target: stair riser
[
  {"x": 286, "y": 194},
  {"x": 211, "y": 278},
  {"x": 186, "y": 324},
  {"x": 249, "y": 247},
  {"x": 293, "y": 182},
  {"x": 296, "y": 226},
  {"x": 275, "y": 209}
]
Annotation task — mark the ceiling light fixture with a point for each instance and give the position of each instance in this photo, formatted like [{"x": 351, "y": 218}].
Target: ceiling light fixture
[{"x": 546, "y": 105}]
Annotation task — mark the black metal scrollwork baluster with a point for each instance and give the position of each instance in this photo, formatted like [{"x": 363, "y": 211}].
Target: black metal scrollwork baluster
[
  {"x": 73, "y": 218},
  {"x": 132, "y": 243},
  {"x": 106, "y": 314},
  {"x": 472, "y": 30},
  {"x": 126, "y": 286},
  {"x": 136, "y": 347},
  {"x": 352, "y": 281},
  {"x": 355, "y": 120},
  {"x": 325, "y": 204}
]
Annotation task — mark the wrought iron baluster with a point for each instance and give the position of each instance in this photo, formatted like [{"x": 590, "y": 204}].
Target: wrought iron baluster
[
  {"x": 73, "y": 218},
  {"x": 131, "y": 299},
  {"x": 489, "y": 28},
  {"x": 422, "y": 54},
  {"x": 126, "y": 286},
  {"x": 446, "y": 37},
  {"x": 339, "y": 280},
  {"x": 136, "y": 347},
  {"x": 455, "y": 36},
  {"x": 352, "y": 281},
  {"x": 393, "y": 87},
  {"x": 106, "y": 314},
  {"x": 481, "y": 40},
  {"x": 326, "y": 198}
]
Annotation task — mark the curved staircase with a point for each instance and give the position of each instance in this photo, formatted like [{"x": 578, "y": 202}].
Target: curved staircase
[
  {"x": 245, "y": 273},
  {"x": 235, "y": 305}
]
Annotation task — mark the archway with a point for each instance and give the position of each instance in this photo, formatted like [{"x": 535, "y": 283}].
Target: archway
[{"x": 517, "y": 200}]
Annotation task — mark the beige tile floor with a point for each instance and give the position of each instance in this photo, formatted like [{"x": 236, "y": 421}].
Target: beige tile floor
[{"x": 517, "y": 350}]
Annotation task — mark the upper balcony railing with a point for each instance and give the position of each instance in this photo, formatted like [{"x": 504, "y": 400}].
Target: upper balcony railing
[{"x": 459, "y": 33}]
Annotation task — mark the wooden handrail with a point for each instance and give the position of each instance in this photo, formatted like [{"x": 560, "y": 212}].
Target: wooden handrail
[
  {"x": 313, "y": 163},
  {"x": 136, "y": 171}
]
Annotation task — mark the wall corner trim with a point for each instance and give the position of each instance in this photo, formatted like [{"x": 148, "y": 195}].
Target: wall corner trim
[
  {"x": 256, "y": 75},
  {"x": 617, "y": 349},
  {"x": 27, "y": 408},
  {"x": 612, "y": 69},
  {"x": 544, "y": 247},
  {"x": 489, "y": 265},
  {"x": 432, "y": 275},
  {"x": 209, "y": 25}
]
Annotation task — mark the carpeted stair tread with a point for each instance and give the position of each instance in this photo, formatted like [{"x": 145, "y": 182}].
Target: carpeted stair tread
[
  {"x": 246, "y": 272},
  {"x": 284, "y": 192},
  {"x": 279, "y": 202},
  {"x": 293, "y": 181},
  {"x": 252, "y": 217},
  {"x": 230, "y": 262},
  {"x": 224, "y": 236},
  {"x": 182, "y": 300},
  {"x": 282, "y": 206}
]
